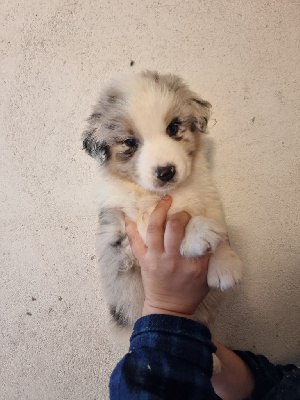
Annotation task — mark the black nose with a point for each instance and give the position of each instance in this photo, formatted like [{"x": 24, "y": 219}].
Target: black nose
[{"x": 165, "y": 174}]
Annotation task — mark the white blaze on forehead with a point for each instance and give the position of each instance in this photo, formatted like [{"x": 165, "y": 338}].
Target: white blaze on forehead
[{"x": 148, "y": 107}]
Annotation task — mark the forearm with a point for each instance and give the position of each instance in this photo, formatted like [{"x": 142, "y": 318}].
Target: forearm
[{"x": 234, "y": 381}]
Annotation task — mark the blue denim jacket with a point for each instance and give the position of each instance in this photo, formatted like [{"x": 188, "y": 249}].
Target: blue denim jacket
[{"x": 170, "y": 358}]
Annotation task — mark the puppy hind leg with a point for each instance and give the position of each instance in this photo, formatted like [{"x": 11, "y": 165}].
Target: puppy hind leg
[{"x": 224, "y": 269}]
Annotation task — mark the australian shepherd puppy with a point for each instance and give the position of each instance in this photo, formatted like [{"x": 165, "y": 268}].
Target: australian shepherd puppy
[{"x": 145, "y": 133}]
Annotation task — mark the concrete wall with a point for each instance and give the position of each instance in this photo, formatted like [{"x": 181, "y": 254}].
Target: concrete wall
[{"x": 242, "y": 56}]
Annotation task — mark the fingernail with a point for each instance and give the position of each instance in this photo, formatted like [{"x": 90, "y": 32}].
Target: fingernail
[{"x": 166, "y": 197}]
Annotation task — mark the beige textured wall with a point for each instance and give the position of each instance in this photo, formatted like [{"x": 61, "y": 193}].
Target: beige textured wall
[{"x": 243, "y": 56}]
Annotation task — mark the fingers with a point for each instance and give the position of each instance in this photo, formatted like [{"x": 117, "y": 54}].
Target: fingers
[
  {"x": 156, "y": 226},
  {"x": 174, "y": 232},
  {"x": 136, "y": 242}
]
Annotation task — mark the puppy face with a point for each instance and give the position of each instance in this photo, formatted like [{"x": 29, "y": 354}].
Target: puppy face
[{"x": 147, "y": 129}]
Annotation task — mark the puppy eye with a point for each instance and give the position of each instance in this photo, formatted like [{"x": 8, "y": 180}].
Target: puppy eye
[
  {"x": 172, "y": 129},
  {"x": 131, "y": 142}
]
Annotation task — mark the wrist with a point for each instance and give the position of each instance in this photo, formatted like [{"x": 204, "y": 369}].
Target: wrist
[{"x": 147, "y": 310}]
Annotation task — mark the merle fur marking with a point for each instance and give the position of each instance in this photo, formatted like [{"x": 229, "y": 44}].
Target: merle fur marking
[
  {"x": 96, "y": 149},
  {"x": 118, "y": 243},
  {"x": 103, "y": 218},
  {"x": 95, "y": 116},
  {"x": 126, "y": 154},
  {"x": 117, "y": 316}
]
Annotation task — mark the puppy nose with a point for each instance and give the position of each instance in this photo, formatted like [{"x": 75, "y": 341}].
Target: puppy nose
[{"x": 165, "y": 174}]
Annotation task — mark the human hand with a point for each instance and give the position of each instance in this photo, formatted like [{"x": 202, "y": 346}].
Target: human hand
[{"x": 172, "y": 284}]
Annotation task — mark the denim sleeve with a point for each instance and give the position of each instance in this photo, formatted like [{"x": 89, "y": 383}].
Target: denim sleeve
[
  {"x": 169, "y": 358},
  {"x": 272, "y": 382}
]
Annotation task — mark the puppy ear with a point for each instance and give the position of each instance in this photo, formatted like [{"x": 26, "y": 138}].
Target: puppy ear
[
  {"x": 104, "y": 123},
  {"x": 202, "y": 109},
  {"x": 202, "y": 102},
  {"x": 95, "y": 148}
]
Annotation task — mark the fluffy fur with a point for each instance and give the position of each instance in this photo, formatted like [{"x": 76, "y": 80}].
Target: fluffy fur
[{"x": 145, "y": 132}]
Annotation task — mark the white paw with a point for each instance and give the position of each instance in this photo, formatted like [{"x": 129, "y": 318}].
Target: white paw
[
  {"x": 202, "y": 235},
  {"x": 224, "y": 269}
]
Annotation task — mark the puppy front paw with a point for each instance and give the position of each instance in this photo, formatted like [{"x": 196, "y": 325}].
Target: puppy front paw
[
  {"x": 224, "y": 269},
  {"x": 202, "y": 235}
]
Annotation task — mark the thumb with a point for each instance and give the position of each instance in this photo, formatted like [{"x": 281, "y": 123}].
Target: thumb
[{"x": 137, "y": 244}]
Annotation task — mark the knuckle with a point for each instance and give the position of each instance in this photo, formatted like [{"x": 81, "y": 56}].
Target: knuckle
[
  {"x": 160, "y": 207},
  {"x": 174, "y": 224},
  {"x": 150, "y": 263},
  {"x": 173, "y": 266},
  {"x": 185, "y": 215},
  {"x": 131, "y": 239},
  {"x": 153, "y": 228},
  {"x": 132, "y": 236},
  {"x": 129, "y": 231},
  {"x": 182, "y": 216},
  {"x": 179, "y": 220},
  {"x": 128, "y": 223}
]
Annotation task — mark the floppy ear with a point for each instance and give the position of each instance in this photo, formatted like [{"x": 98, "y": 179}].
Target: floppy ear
[
  {"x": 103, "y": 123},
  {"x": 95, "y": 148},
  {"x": 202, "y": 109}
]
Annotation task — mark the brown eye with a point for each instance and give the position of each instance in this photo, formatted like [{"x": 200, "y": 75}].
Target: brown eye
[
  {"x": 131, "y": 142},
  {"x": 173, "y": 127}
]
